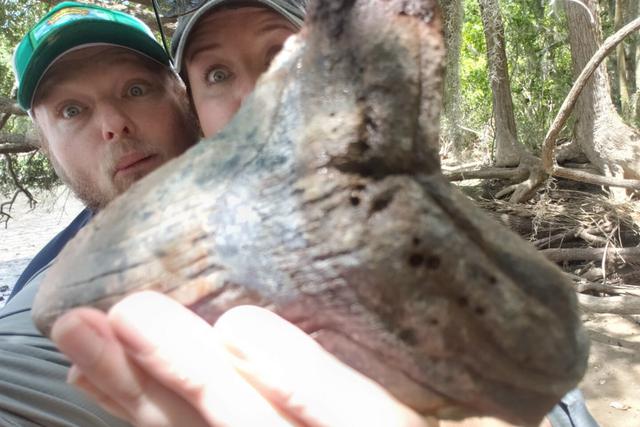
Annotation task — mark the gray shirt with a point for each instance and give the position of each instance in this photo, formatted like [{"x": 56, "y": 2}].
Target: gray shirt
[{"x": 33, "y": 388}]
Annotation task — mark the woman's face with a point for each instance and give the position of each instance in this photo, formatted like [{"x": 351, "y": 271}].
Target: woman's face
[{"x": 228, "y": 50}]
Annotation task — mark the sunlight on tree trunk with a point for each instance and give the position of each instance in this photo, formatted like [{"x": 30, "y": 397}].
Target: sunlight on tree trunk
[
  {"x": 621, "y": 62},
  {"x": 507, "y": 149},
  {"x": 453, "y": 15}
]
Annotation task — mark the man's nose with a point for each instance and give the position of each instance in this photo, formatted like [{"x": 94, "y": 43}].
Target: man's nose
[{"x": 116, "y": 123}]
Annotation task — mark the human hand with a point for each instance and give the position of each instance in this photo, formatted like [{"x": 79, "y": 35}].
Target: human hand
[{"x": 154, "y": 363}]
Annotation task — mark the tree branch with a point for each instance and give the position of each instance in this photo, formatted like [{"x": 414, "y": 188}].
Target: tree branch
[
  {"x": 9, "y": 106},
  {"x": 141, "y": 9},
  {"x": 13, "y": 144},
  {"x": 16, "y": 182}
]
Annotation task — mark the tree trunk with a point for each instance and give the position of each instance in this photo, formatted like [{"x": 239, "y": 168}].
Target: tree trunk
[
  {"x": 508, "y": 151},
  {"x": 453, "y": 13},
  {"x": 611, "y": 145},
  {"x": 634, "y": 69}
]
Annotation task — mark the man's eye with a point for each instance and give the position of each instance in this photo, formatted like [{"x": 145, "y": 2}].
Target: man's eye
[
  {"x": 217, "y": 75},
  {"x": 70, "y": 111},
  {"x": 136, "y": 90}
]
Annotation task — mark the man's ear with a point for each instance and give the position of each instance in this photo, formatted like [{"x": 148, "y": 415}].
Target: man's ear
[{"x": 37, "y": 137}]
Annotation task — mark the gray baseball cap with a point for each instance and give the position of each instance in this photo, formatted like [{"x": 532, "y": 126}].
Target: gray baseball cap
[{"x": 293, "y": 10}]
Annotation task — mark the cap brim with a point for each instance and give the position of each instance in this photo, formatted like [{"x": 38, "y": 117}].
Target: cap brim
[
  {"x": 193, "y": 19},
  {"x": 86, "y": 32}
]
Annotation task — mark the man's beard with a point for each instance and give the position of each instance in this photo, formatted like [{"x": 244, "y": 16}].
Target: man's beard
[
  {"x": 87, "y": 192},
  {"x": 90, "y": 192}
]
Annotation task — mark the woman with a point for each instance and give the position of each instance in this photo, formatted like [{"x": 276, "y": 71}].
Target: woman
[{"x": 221, "y": 49}]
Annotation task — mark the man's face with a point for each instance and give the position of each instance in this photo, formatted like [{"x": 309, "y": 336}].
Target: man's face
[
  {"x": 109, "y": 116},
  {"x": 228, "y": 50}
]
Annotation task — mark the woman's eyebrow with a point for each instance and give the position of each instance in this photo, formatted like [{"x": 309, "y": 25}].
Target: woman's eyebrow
[
  {"x": 202, "y": 48},
  {"x": 273, "y": 26}
]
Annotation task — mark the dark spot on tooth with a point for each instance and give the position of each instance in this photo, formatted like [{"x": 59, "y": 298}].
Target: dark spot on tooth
[
  {"x": 355, "y": 200},
  {"x": 415, "y": 260},
  {"x": 416, "y": 241},
  {"x": 370, "y": 124},
  {"x": 359, "y": 187},
  {"x": 463, "y": 301},
  {"x": 381, "y": 202},
  {"x": 434, "y": 322},
  {"x": 480, "y": 311},
  {"x": 432, "y": 262},
  {"x": 332, "y": 114},
  {"x": 492, "y": 280},
  {"x": 408, "y": 336},
  {"x": 362, "y": 146}
]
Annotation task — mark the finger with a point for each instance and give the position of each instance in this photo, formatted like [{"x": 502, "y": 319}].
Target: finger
[
  {"x": 291, "y": 369},
  {"x": 80, "y": 381},
  {"x": 183, "y": 352},
  {"x": 116, "y": 382}
]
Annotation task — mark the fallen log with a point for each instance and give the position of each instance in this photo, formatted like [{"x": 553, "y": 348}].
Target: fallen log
[{"x": 591, "y": 254}]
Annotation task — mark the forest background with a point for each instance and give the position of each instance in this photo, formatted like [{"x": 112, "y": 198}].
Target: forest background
[{"x": 561, "y": 170}]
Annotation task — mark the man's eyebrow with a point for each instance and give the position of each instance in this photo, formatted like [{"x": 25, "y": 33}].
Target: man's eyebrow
[
  {"x": 59, "y": 73},
  {"x": 53, "y": 79}
]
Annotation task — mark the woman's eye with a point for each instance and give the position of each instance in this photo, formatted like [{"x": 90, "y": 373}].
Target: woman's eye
[
  {"x": 70, "y": 111},
  {"x": 136, "y": 90},
  {"x": 217, "y": 75}
]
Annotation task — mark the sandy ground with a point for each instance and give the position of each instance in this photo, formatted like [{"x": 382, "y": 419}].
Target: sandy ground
[
  {"x": 29, "y": 230},
  {"x": 611, "y": 386}
]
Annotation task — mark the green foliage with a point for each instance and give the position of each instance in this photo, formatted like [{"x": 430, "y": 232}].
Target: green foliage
[
  {"x": 16, "y": 17},
  {"x": 474, "y": 79},
  {"x": 539, "y": 67}
]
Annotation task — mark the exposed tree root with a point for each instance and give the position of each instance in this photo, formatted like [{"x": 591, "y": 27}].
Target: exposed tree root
[
  {"x": 624, "y": 304},
  {"x": 461, "y": 174},
  {"x": 589, "y": 178},
  {"x": 533, "y": 172},
  {"x": 569, "y": 103}
]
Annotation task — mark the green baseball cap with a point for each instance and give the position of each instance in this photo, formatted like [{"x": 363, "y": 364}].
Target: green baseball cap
[{"x": 68, "y": 26}]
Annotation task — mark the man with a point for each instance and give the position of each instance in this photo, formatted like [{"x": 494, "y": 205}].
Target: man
[
  {"x": 221, "y": 49},
  {"x": 109, "y": 110}
]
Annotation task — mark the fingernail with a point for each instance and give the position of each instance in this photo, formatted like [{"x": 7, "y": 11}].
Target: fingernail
[
  {"x": 80, "y": 342},
  {"x": 74, "y": 374}
]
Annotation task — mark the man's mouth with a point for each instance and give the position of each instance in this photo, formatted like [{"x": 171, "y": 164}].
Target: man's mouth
[{"x": 132, "y": 161}]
